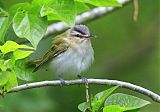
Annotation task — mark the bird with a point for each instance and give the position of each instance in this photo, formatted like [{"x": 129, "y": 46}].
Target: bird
[{"x": 71, "y": 53}]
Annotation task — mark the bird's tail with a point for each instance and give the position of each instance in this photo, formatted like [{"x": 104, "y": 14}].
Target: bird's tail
[{"x": 34, "y": 62}]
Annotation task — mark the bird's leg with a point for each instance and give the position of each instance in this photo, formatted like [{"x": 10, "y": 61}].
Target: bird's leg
[{"x": 62, "y": 81}]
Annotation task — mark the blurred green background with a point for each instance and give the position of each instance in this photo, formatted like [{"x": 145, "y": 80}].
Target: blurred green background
[{"x": 124, "y": 50}]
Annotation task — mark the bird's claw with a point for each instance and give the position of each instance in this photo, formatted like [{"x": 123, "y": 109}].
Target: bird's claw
[
  {"x": 62, "y": 82},
  {"x": 84, "y": 80}
]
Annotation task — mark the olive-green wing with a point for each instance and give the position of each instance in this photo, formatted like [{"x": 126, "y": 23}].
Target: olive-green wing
[{"x": 59, "y": 47}]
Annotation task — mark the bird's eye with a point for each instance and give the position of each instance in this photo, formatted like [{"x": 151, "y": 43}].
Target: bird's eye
[{"x": 78, "y": 35}]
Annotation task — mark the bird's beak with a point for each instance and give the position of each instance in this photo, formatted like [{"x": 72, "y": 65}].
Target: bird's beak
[
  {"x": 92, "y": 36},
  {"x": 89, "y": 36}
]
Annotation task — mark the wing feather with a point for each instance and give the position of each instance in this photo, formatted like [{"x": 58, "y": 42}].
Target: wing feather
[{"x": 59, "y": 47}]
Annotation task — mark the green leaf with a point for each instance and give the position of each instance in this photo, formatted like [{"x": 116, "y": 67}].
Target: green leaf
[
  {"x": 127, "y": 102},
  {"x": 4, "y": 77},
  {"x": 84, "y": 106},
  {"x": 4, "y": 24},
  {"x": 28, "y": 24},
  {"x": 9, "y": 63},
  {"x": 102, "y": 2},
  {"x": 2, "y": 65},
  {"x": 22, "y": 71},
  {"x": 8, "y": 47},
  {"x": 20, "y": 54},
  {"x": 81, "y": 7},
  {"x": 64, "y": 10},
  {"x": 12, "y": 81},
  {"x": 113, "y": 108},
  {"x": 116, "y": 108},
  {"x": 99, "y": 99},
  {"x": 46, "y": 11}
]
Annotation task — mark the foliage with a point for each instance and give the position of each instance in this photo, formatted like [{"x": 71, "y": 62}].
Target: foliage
[
  {"x": 123, "y": 102},
  {"x": 117, "y": 102},
  {"x": 12, "y": 64}
]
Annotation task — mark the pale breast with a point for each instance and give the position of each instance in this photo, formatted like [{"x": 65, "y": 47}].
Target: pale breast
[{"x": 74, "y": 60}]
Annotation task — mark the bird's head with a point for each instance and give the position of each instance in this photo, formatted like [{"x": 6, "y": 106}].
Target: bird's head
[{"x": 81, "y": 32}]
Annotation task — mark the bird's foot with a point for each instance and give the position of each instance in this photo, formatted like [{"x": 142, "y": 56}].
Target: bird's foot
[
  {"x": 62, "y": 82},
  {"x": 84, "y": 80}
]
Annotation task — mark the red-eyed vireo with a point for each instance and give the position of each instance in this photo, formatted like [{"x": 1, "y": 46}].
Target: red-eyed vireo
[{"x": 71, "y": 53}]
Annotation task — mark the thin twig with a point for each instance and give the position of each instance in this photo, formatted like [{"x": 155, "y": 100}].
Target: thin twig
[
  {"x": 87, "y": 92},
  {"x": 127, "y": 85},
  {"x": 135, "y": 16},
  {"x": 88, "y": 100}
]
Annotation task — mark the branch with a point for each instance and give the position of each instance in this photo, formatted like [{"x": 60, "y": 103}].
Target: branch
[
  {"x": 127, "y": 85},
  {"x": 84, "y": 17}
]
